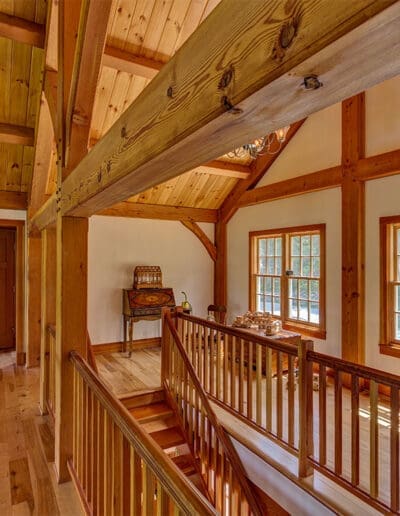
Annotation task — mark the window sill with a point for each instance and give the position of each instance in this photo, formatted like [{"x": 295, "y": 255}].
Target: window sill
[
  {"x": 392, "y": 349},
  {"x": 317, "y": 333}
]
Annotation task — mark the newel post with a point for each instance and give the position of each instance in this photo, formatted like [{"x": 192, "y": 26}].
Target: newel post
[{"x": 306, "y": 445}]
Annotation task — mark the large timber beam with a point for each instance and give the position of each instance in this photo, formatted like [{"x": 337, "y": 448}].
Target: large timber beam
[
  {"x": 17, "y": 134},
  {"x": 22, "y": 30},
  {"x": 245, "y": 81},
  {"x": 13, "y": 200},
  {"x": 131, "y": 63},
  {"x": 196, "y": 230}
]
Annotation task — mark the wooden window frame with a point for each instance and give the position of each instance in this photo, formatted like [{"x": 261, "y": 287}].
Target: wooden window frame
[
  {"x": 305, "y": 328},
  {"x": 388, "y": 344}
]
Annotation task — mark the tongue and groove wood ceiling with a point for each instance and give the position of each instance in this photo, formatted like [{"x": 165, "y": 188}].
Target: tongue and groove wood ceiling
[{"x": 149, "y": 30}]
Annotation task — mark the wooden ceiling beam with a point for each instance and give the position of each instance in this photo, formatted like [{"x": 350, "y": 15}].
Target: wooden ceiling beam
[
  {"x": 160, "y": 212},
  {"x": 127, "y": 62},
  {"x": 381, "y": 165},
  {"x": 228, "y": 169},
  {"x": 86, "y": 69},
  {"x": 21, "y": 30},
  {"x": 13, "y": 200},
  {"x": 258, "y": 168},
  {"x": 191, "y": 112},
  {"x": 17, "y": 134},
  {"x": 199, "y": 233},
  {"x": 314, "y": 182}
]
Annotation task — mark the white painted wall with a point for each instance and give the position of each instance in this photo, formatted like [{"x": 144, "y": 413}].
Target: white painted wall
[
  {"x": 117, "y": 245},
  {"x": 313, "y": 208}
]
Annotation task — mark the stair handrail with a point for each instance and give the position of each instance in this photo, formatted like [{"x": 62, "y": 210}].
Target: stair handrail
[
  {"x": 222, "y": 435},
  {"x": 178, "y": 486}
]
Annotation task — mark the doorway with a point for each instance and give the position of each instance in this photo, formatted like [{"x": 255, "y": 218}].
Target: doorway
[{"x": 7, "y": 288}]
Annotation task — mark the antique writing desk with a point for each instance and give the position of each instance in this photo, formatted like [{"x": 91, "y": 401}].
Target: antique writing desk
[{"x": 143, "y": 305}]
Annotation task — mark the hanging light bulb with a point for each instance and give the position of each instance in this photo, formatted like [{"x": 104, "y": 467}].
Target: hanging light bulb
[{"x": 270, "y": 144}]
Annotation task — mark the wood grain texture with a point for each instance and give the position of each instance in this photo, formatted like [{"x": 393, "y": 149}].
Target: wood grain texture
[
  {"x": 130, "y": 63},
  {"x": 20, "y": 483},
  {"x": 34, "y": 291},
  {"x": 117, "y": 167},
  {"x": 22, "y": 30},
  {"x": 13, "y": 200},
  {"x": 16, "y": 134}
]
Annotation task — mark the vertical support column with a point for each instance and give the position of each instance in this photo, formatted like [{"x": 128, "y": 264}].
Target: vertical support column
[
  {"x": 48, "y": 311},
  {"x": 353, "y": 230},
  {"x": 220, "y": 265},
  {"x": 71, "y": 327},
  {"x": 34, "y": 264}
]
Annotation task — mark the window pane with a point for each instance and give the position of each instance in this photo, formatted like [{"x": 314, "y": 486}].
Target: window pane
[
  {"x": 315, "y": 246},
  {"x": 293, "y": 288},
  {"x": 397, "y": 328},
  {"x": 293, "y": 311},
  {"x": 278, "y": 246},
  {"x": 295, "y": 246},
  {"x": 259, "y": 303},
  {"x": 278, "y": 266},
  {"x": 305, "y": 245},
  {"x": 262, "y": 263},
  {"x": 303, "y": 310},
  {"x": 398, "y": 240},
  {"x": 315, "y": 267},
  {"x": 259, "y": 285},
  {"x": 398, "y": 268},
  {"x": 303, "y": 289},
  {"x": 268, "y": 285},
  {"x": 268, "y": 304},
  {"x": 295, "y": 266},
  {"x": 306, "y": 266},
  {"x": 314, "y": 313},
  {"x": 397, "y": 298},
  {"x": 270, "y": 265},
  {"x": 277, "y": 305},
  {"x": 277, "y": 286},
  {"x": 270, "y": 247},
  {"x": 262, "y": 247},
  {"x": 314, "y": 290}
]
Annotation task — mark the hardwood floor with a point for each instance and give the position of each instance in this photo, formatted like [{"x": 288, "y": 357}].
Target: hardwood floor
[{"x": 27, "y": 477}]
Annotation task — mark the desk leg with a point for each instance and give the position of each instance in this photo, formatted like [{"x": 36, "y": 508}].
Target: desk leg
[
  {"x": 125, "y": 335},
  {"x": 130, "y": 336}
]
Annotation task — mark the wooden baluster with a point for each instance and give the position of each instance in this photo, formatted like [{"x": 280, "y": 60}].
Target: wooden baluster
[
  {"x": 355, "y": 430},
  {"x": 101, "y": 449},
  {"x": 212, "y": 362},
  {"x": 224, "y": 481},
  {"x": 227, "y": 340},
  {"x": 207, "y": 359},
  {"x": 75, "y": 427},
  {"x": 203, "y": 452},
  {"x": 268, "y": 389},
  {"x": 190, "y": 413},
  {"x": 306, "y": 445},
  {"x": 95, "y": 445},
  {"x": 338, "y": 422},
  {"x": 322, "y": 414},
  {"x": 163, "y": 508},
  {"x": 136, "y": 483},
  {"x": 81, "y": 433},
  {"x": 279, "y": 403},
  {"x": 258, "y": 384},
  {"x": 290, "y": 404},
  {"x": 394, "y": 449},
  {"x": 233, "y": 372},
  {"x": 250, "y": 381},
  {"x": 220, "y": 488},
  {"x": 241, "y": 376},
  {"x": 148, "y": 491},
  {"x": 108, "y": 471},
  {"x": 89, "y": 444},
  {"x": 210, "y": 454},
  {"x": 195, "y": 347},
  {"x": 118, "y": 478},
  {"x": 219, "y": 366},
  {"x": 373, "y": 433}
]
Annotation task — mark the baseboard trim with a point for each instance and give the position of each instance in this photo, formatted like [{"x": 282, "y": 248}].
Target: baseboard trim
[{"x": 115, "y": 347}]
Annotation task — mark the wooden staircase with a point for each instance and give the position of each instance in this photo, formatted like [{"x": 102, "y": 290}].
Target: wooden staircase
[{"x": 159, "y": 420}]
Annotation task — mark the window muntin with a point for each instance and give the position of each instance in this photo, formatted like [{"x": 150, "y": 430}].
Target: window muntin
[
  {"x": 287, "y": 272},
  {"x": 396, "y": 283}
]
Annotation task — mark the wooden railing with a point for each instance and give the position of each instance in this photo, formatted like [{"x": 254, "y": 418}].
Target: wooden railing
[
  {"x": 220, "y": 466},
  {"x": 360, "y": 446},
  {"x": 341, "y": 418},
  {"x": 51, "y": 369},
  {"x": 116, "y": 466}
]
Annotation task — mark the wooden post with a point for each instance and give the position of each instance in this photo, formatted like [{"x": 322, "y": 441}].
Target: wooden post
[
  {"x": 48, "y": 309},
  {"x": 306, "y": 444},
  {"x": 34, "y": 264},
  {"x": 71, "y": 328},
  {"x": 220, "y": 265},
  {"x": 353, "y": 230}
]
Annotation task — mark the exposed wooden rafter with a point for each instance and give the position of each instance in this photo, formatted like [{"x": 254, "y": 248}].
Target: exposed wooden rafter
[
  {"x": 258, "y": 169},
  {"x": 196, "y": 230},
  {"x": 218, "y": 167},
  {"x": 156, "y": 211},
  {"x": 375, "y": 167},
  {"x": 17, "y": 134},
  {"x": 131, "y": 63},
  {"x": 21, "y": 30},
  {"x": 13, "y": 200}
]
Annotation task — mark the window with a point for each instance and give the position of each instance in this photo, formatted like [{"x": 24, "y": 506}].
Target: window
[
  {"x": 287, "y": 268},
  {"x": 390, "y": 285}
]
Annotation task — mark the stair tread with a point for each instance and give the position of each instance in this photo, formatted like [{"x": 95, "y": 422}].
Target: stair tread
[
  {"x": 198, "y": 482},
  {"x": 148, "y": 413},
  {"x": 169, "y": 437},
  {"x": 185, "y": 463}
]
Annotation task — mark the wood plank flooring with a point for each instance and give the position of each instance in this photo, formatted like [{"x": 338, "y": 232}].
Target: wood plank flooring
[{"x": 27, "y": 477}]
